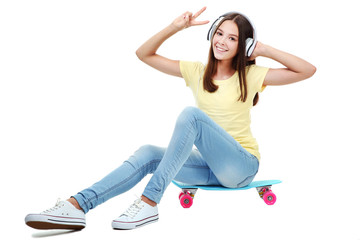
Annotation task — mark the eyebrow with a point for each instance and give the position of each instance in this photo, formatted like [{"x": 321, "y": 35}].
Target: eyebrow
[{"x": 229, "y": 34}]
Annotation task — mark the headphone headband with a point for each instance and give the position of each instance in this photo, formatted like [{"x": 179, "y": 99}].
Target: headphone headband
[{"x": 250, "y": 42}]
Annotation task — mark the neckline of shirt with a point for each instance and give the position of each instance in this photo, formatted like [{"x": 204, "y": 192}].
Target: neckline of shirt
[{"x": 220, "y": 82}]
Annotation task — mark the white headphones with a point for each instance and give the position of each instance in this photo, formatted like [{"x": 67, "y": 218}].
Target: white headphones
[{"x": 250, "y": 43}]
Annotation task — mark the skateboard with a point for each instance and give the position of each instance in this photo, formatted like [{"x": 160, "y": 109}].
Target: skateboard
[{"x": 263, "y": 188}]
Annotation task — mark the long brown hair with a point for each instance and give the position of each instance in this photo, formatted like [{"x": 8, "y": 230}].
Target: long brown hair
[{"x": 239, "y": 62}]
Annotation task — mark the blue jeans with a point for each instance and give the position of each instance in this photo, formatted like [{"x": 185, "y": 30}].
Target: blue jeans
[{"x": 218, "y": 160}]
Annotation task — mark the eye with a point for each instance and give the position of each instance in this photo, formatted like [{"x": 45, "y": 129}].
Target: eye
[{"x": 219, "y": 33}]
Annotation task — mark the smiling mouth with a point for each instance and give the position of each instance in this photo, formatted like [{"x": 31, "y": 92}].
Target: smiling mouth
[{"x": 220, "y": 49}]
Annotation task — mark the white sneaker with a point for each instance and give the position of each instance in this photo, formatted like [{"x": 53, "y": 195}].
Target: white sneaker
[
  {"x": 137, "y": 215},
  {"x": 62, "y": 216}
]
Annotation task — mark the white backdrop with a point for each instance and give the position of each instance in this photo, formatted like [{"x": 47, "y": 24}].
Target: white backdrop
[{"x": 75, "y": 102}]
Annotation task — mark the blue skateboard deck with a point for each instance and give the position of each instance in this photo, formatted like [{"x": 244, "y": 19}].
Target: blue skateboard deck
[
  {"x": 220, "y": 188},
  {"x": 263, "y": 188}
]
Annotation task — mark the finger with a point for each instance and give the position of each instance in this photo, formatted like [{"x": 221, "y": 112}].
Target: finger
[
  {"x": 187, "y": 14},
  {"x": 199, "y": 12},
  {"x": 200, "y": 23}
]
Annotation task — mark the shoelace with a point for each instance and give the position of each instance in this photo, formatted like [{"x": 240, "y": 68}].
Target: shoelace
[
  {"x": 57, "y": 206},
  {"x": 133, "y": 210}
]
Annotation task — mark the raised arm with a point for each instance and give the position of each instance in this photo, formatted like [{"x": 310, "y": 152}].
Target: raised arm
[
  {"x": 296, "y": 69},
  {"x": 147, "y": 51}
]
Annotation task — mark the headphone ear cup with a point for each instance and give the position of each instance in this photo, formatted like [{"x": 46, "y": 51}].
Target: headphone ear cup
[{"x": 249, "y": 46}]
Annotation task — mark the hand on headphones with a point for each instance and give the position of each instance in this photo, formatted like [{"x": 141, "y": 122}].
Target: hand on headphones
[
  {"x": 258, "y": 51},
  {"x": 188, "y": 19}
]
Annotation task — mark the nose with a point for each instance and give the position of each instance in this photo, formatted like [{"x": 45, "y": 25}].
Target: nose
[{"x": 221, "y": 40}]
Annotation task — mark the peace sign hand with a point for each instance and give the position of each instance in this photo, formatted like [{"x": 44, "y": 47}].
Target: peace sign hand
[{"x": 188, "y": 19}]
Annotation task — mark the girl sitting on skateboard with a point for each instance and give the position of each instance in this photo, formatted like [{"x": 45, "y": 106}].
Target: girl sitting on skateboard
[{"x": 225, "y": 89}]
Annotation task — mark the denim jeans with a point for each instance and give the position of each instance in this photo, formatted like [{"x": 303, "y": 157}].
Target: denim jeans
[{"x": 218, "y": 160}]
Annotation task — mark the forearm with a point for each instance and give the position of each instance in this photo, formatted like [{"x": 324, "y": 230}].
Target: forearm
[
  {"x": 150, "y": 47},
  {"x": 291, "y": 62},
  {"x": 185, "y": 20},
  {"x": 147, "y": 51}
]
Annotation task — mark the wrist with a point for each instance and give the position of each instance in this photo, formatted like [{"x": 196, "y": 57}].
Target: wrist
[
  {"x": 174, "y": 28},
  {"x": 265, "y": 50}
]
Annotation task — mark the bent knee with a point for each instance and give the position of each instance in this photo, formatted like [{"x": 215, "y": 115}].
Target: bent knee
[
  {"x": 190, "y": 111},
  {"x": 189, "y": 114},
  {"x": 146, "y": 155},
  {"x": 148, "y": 149},
  {"x": 150, "y": 152}
]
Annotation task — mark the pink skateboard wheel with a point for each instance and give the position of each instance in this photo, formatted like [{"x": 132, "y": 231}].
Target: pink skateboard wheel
[
  {"x": 186, "y": 200},
  {"x": 269, "y": 198}
]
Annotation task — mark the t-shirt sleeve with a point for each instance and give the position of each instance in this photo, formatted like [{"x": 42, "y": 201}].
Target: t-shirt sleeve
[
  {"x": 191, "y": 71},
  {"x": 258, "y": 74}
]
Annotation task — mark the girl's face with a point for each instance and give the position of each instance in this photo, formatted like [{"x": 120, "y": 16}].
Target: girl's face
[{"x": 225, "y": 41}]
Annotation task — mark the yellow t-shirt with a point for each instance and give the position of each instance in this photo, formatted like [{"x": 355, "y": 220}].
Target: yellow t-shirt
[{"x": 223, "y": 105}]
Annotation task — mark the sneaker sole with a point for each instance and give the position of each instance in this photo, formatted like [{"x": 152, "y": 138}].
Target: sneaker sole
[
  {"x": 44, "y": 222},
  {"x": 117, "y": 225},
  {"x": 47, "y": 226}
]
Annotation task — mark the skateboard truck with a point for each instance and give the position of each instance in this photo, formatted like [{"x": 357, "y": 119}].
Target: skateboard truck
[
  {"x": 186, "y": 197},
  {"x": 266, "y": 194}
]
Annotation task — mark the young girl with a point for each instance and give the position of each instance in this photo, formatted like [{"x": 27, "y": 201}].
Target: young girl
[{"x": 226, "y": 153}]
